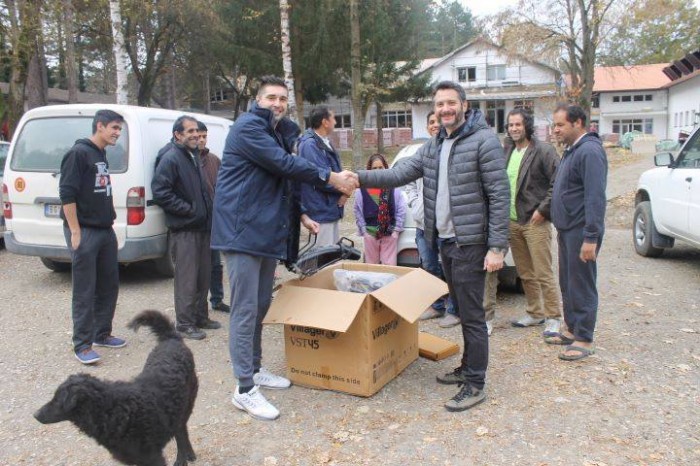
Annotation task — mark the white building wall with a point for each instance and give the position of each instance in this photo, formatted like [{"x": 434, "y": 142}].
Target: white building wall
[
  {"x": 482, "y": 57},
  {"x": 654, "y": 110},
  {"x": 683, "y": 107}
]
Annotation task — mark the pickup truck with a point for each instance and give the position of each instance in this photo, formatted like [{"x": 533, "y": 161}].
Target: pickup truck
[{"x": 667, "y": 202}]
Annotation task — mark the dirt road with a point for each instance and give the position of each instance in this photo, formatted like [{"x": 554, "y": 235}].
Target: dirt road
[{"x": 636, "y": 402}]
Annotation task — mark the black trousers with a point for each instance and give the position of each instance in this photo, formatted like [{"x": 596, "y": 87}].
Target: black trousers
[
  {"x": 95, "y": 284},
  {"x": 192, "y": 258},
  {"x": 577, "y": 280},
  {"x": 465, "y": 275}
]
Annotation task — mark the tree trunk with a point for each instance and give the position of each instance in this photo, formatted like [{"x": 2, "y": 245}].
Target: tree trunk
[
  {"x": 16, "y": 92},
  {"x": 35, "y": 89},
  {"x": 380, "y": 127},
  {"x": 120, "y": 58},
  {"x": 71, "y": 74},
  {"x": 206, "y": 88},
  {"x": 358, "y": 117},
  {"x": 287, "y": 58}
]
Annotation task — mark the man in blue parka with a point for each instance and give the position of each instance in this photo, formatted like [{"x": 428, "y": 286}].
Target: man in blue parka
[
  {"x": 324, "y": 204},
  {"x": 251, "y": 226}
]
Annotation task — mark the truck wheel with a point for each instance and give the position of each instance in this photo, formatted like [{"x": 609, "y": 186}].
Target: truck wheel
[
  {"x": 56, "y": 266},
  {"x": 643, "y": 230},
  {"x": 165, "y": 265}
]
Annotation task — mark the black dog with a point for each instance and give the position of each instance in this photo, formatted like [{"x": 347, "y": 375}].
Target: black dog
[{"x": 135, "y": 420}]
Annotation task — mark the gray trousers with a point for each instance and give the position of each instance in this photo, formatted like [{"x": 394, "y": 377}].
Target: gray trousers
[
  {"x": 192, "y": 258},
  {"x": 251, "y": 279},
  {"x": 95, "y": 284}
]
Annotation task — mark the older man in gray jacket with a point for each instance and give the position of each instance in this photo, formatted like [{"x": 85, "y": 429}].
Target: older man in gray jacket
[{"x": 466, "y": 198}]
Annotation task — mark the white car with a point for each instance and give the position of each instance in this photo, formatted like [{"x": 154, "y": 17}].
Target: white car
[
  {"x": 668, "y": 201},
  {"x": 31, "y": 202},
  {"x": 4, "y": 149},
  {"x": 408, "y": 251}
]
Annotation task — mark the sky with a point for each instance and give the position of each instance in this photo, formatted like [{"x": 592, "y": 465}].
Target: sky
[{"x": 489, "y": 7}]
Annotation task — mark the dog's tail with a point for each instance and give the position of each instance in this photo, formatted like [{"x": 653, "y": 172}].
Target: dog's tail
[{"x": 160, "y": 325}]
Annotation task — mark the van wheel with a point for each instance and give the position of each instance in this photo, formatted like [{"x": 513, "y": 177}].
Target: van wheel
[
  {"x": 643, "y": 230},
  {"x": 165, "y": 265},
  {"x": 56, "y": 266}
]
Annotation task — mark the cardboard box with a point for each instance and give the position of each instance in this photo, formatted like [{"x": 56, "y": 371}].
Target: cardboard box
[
  {"x": 352, "y": 342},
  {"x": 435, "y": 348}
]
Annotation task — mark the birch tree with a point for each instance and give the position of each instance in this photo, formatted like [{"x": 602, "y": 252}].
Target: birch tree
[
  {"x": 120, "y": 56},
  {"x": 287, "y": 60},
  {"x": 358, "y": 117},
  {"x": 71, "y": 72}
]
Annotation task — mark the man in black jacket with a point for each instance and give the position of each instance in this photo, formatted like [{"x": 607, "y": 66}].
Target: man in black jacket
[
  {"x": 531, "y": 166},
  {"x": 88, "y": 215},
  {"x": 578, "y": 213},
  {"x": 179, "y": 188}
]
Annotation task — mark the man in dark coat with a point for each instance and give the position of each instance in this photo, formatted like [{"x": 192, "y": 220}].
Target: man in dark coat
[
  {"x": 180, "y": 189},
  {"x": 252, "y": 223},
  {"x": 578, "y": 213}
]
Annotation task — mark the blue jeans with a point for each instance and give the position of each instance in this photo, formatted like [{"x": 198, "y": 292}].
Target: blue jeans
[{"x": 430, "y": 263}]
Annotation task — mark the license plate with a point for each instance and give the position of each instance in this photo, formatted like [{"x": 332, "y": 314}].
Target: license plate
[{"x": 52, "y": 210}]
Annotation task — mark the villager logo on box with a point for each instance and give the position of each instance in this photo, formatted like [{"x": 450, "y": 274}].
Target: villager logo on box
[
  {"x": 384, "y": 329},
  {"x": 313, "y": 332}
]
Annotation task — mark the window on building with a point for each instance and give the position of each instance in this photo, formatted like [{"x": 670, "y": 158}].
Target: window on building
[
  {"x": 595, "y": 101},
  {"x": 648, "y": 97},
  {"x": 616, "y": 98},
  {"x": 397, "y": 119},
  {"x": 496, "y": 72},
  {"x": 342, "y": 121},
  {"x": 645, "y": 125},
  {"x": 466, "y": 74},
  {"x": 639, "y": 98},
  {"x": 626, "y": 98},
  {"x": 527, "y": 104}
]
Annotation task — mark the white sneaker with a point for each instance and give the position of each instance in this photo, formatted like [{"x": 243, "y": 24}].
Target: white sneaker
[
  {"x": 551, "y": 327},
  {"x": 489, "y": 327},
  {"x": 449, "y": 320},
  {"x": 255, "y": 404},
  {"x": 267, "y": 379},
  {"x": 527, "y": 321}
]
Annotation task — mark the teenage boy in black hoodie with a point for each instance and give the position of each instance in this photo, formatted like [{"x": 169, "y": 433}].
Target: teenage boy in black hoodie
[{"x": 88, "y": 215}]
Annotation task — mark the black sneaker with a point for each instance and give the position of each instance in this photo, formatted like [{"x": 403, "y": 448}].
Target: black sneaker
[
  {"x": 208, "y": 324},
  {"x": 223, "y": 307},
  {"x": 191, "y": 332},
  {"x": 468, "y": 397},
  {"x": 452, "y": 378}
]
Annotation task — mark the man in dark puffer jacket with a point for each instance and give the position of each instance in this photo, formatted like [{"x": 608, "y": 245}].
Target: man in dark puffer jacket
[{"x": 466, "y": 199}]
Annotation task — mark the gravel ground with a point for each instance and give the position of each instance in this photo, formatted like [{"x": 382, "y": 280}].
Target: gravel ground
[{"x": 636, "y": 402}]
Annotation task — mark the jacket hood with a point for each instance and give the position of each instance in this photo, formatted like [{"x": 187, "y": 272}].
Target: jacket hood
[
  {"x": 473, "y": 121},
  {"x": 91, "y": 145}
]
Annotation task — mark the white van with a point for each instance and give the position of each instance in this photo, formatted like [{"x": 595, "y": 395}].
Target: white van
[{"x": 30, "y": 187}]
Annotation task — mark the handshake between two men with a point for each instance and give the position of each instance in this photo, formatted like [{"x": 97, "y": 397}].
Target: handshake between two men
[{"x": 346, "y": 181}]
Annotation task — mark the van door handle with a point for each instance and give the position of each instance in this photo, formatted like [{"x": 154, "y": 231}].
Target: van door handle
[{"x": 689, "y": 179}]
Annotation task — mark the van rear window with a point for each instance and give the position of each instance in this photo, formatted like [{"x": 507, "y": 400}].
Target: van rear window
[{"x": 43, "y": 142}]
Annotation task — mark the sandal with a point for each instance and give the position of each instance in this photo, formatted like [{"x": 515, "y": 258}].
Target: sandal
[
  {"x": 559, "y": 339},
  {"x": 582, "y": 353}
]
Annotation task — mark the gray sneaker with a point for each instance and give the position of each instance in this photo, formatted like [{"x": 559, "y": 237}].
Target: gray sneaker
[
  {"x": 430, "y": 313},
  {"x": 452, "y": 378},
  {"x": 468, "y": 397},
  {"x": 489, "y": 327},
  {"x": 527, "y": 321},
  {"x": 450, "y": 320}
]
